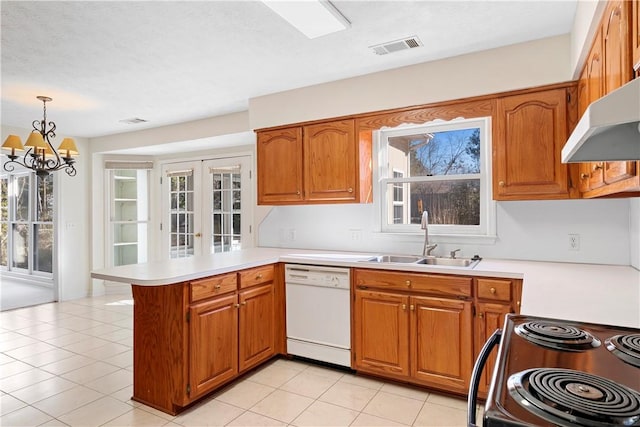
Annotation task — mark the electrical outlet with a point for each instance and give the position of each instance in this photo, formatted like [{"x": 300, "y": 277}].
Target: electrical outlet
[
  {"x": 574, "y": 242},
  {"x": 356, "y": 234},
  {"x": 292, "y": 234}
]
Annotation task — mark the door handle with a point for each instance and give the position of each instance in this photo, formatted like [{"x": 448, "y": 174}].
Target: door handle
[{"x": 198, "y": 235}]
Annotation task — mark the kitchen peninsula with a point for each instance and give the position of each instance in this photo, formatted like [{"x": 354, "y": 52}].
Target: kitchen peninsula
[{"x": 236, "y": 301}]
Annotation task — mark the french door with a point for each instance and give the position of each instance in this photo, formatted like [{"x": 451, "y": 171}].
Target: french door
[{"x": 206, "y": 206}]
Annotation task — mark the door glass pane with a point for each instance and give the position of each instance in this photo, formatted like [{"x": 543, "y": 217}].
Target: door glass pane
[
  {"x": 43, "y": 243},
  {"x": 4, "y": 217},
  {"x": 225, "y": 214},
  {"x": 44, "y": 201},
  {"x": 20, "y": 246},
  {"x": 181, "y": 216},
  {"x": 22, "y": 198},
  {"x": 4, "y": 198}
]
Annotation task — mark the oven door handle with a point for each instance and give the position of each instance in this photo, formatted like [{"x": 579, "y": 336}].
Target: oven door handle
[{"x": 493, "y": 340}]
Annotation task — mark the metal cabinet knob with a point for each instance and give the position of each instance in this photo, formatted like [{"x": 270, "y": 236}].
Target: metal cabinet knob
[
  {"x": 501, "y": 183},
  {"x": 236, "y": 305},
  {"x": 198, "y": 235},
  {"x": 584, "y": 176},
  {"x": 243, "y": 303},
  {"x": 481, "y": 315},
  {"x": 259, "y": 276},
  {"x": 408, "y": 283},
  {"x": 350, "y": 190},
  {"x": 404, "y": 306},
  {"x": 298, "y": 193},
  {"x": 492, "y": 290},
  {"x": 597, "y": 166},
  {"x": 217, "y": 287},
  {"x": 412, "y": 307}
]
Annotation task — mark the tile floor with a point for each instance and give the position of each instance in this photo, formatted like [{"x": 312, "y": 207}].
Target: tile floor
[{"x": 70, "y": 363}]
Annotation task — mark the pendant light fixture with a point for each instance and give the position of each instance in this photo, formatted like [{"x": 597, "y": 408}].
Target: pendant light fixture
[{"x": 40, "y": 156}]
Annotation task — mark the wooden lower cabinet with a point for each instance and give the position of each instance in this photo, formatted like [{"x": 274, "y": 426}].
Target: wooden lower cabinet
[
  {"x": 381, "y": 334},
  {"x": 213, "y": 353},
  {"x": 191, "y": 338},
  {"x": 422, "y": 339},
  {"x": 490, "y": 316},
  {"x": 257, "y": 326},
  {"x": 441, "y": 342}
]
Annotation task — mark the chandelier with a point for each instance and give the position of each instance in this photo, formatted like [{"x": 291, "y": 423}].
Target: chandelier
[{"x": 40, "y": 155}]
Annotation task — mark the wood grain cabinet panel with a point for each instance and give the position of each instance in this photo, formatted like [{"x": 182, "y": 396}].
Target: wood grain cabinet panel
[
  {"x": 213, "y": 328},
  {"x": 441, "y": 342},
  {"x": 489, "y": 317},
  {"x": 381, "y": 335},
  {"x": 530, "y": 132},
  {"x": 635, "y": 35},
  {"x": 257, "y": 326},
  {"x": 212, "y": 286},
  {"x": 279, "y": 160},
  {"x": 331, "y": 161}
]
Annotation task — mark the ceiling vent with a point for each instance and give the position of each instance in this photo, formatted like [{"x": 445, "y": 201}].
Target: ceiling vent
[
  {"x": 396, "y": 45},
  {"x": 133, "y": 121}
]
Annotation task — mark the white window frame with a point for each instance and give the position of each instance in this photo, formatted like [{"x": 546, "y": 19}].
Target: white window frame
[{"x": 485, "y": 231}]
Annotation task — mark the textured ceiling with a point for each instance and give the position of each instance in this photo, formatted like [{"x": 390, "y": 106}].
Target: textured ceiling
[{"x": 175, "y": 61}]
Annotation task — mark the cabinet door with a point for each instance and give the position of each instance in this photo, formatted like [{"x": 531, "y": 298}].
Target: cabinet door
[
  {"x": 213, "y": 328},
  {"x": 441, "y": 350},
  {"x": 279, "y": 155},
  {"x": 635, "y": 35},
  {"x": 257, "y": 321},
  {"x": 331, "y": 162},
  {"x": 381, "y": 333},
  {"x": 530, "y": 132},
  {"x": 490, "y": 316}
]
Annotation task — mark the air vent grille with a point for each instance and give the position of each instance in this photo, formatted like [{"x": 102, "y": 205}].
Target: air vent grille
[{"x": 396, "y": 45}]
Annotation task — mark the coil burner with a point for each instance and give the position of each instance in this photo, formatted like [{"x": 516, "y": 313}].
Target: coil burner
[
  {"x": 569, "y": 398},
  {"x": 626, "y": 348},
  {"x": 557, "y": 336}
]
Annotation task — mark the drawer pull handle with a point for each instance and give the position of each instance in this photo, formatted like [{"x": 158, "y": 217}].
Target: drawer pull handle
[
  {"x": 259, "y": 276},
  {"x": 408, "y": 283},
  {"x": 243, "y": 303},
  {"x": 404, "y": 306},
  {"x": 236, "y": 305},
  {"x": 481, "y": 315},
  {"x": 350, "y": 190},
  {"x": 217, "y": 287},
  {"x": 412, "y": 307},
  {"x": 492, "y": 290},
  {"x": 502, "y": 183},
  {"x": 584, "y": 175}
]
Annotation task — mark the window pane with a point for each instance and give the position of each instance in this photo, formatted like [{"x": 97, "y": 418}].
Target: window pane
[
  {"x": 44, "y": 248},
  {"x": 448, "y": 202},
  {"x": 20, "y": 246},
  {"x": 22, "y": 198},
  {"x": 438, "y": 153},
  {"x": 4, "y": 198},
  {"x": 4, "y": 244}
]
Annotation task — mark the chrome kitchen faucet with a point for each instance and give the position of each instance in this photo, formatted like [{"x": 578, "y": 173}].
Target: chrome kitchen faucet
[{"x": 424, "y": 224}]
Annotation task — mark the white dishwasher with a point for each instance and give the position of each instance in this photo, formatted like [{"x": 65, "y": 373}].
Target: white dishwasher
[{"x": 318, "y": 313}]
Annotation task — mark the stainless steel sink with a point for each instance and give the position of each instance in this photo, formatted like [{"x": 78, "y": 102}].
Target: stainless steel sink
[
  {"x": 449, "y": 262},
  {"x": 430, "y": 260},
  {"x": 398, "y": 259}
]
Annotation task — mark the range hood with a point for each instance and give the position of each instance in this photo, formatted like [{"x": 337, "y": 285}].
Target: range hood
[{"x": 609, "y": 128}]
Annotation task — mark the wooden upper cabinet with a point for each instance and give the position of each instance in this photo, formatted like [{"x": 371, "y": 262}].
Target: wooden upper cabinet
[
  {"x": 615, "y": 45},
  {"x": 280, "y": 166},
  {"x": 529, "y": 134},
  {"x": 316, "y": 163},
  {"x": 331, "y": 161},
  {"x": 635, "y": 35}
]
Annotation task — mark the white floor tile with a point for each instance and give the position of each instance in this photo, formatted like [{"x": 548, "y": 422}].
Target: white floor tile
[
  {"x": 274, "y": 375},
  {"x": 282, "y": 406},
  {"x": 325, "y": 414},
  {"x": 136, "y": 417},
  {"x": 308, "y": 384},
  {"x": 90, "y": 372},
  {"x": 67, "y": 401},
  {"x": 440, "y": 416},
  {"x": 96, "y": 413},
  {"x": 249, "y": 418},
  {"x": 452, "y": 402},
  {"x": 347, "y": 395},
  {"x": 8, "y": 403},
  {"x": 209, "y": 413},
  {"x": 27, "y": 416},
  {"x": 244, "y": 394},
  {"x": 406, "y": 391},
  {"x": 394, "y": 407},
  {"x": 67, "y": 364},
  {"x": 23, "y": 379},
  {"x": 47, "y": 357},
  {"x": 366, "y": 420},
  {"x": 111, "y": 382},
  {"x": 43, "y": 389}
]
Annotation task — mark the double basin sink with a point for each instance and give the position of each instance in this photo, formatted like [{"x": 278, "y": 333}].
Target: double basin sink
[{"x": 427, "y": 260}]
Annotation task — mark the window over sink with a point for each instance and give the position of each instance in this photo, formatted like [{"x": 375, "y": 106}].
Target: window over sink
[{"x": 443, "y": 167}]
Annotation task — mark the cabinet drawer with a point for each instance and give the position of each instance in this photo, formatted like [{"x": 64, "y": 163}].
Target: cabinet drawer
[
  {"x": 212, "y": 286},
  {"x": 493, "y": 289},
  {"x": 256, "y": 276},
  {"x": 435, "y": 284}
]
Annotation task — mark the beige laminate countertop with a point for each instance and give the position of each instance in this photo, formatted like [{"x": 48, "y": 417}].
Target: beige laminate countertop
[{"x": 606, "y": 294}]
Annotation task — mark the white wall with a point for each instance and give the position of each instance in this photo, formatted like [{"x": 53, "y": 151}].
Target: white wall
[
  {"x": 634, "y": 226},
  {"x": 73, "y": 231},
  {"x": 507, "y": 68},
  {"x": 531, "y": 230}
]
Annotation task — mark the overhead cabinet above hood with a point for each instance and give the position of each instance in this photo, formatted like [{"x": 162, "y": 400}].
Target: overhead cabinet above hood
[{"x": 609, "y": 129}]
